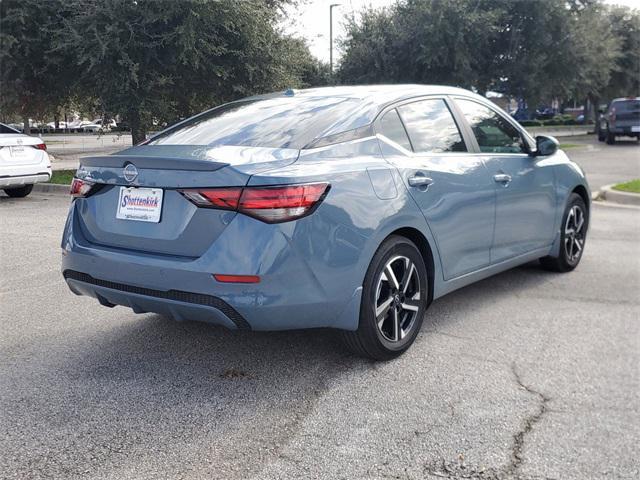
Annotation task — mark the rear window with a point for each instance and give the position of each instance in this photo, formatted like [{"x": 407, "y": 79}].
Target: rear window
[
  {"x": 5, "y": 129},
  {"x": 280, "y": 122},
  {"x": 392, "y": 128},
  {"x": 431, "y": 127},
  {"x": 626, "y": 105}
]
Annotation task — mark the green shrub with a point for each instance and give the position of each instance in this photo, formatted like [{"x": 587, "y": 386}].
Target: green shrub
[{"x": 531, "y": 123}]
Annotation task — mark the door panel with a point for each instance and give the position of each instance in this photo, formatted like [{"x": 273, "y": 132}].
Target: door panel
[
  {"x": 452, "y": 188},
  {"x": 525, "y": 205},
  {"x": 525, "y": 193}
]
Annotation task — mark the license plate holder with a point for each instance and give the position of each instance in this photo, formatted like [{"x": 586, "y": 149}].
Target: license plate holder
[
  {"x": 17, "y": 152},
  {"x": 140, "y": 204}
]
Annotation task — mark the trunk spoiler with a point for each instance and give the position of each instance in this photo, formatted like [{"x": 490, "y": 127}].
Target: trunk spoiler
[{"x": 145, "y": 161}]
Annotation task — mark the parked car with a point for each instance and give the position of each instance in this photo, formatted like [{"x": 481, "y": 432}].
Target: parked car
[
  {"x": 107, "y": 126},
  {"x": 346, "y": 207},
  {"x": 545, "y": 113},
  {"x": 79, "y": 126},
  {"x": 521, "y": 114},
  {"x": 621, "y": 118},
  {"x": 23, "y": 162}
]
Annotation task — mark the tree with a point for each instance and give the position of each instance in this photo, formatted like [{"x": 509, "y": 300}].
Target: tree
[
  {"x": 625, "y": 76},
  {"x": 33, "y": 82},
  {"x": 536, "y": 50},
  {"x": 158, "y": 60}
]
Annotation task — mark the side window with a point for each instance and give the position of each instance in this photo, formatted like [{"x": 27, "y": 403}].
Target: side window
[
  {"x": 493, "y": 133},
  {"x": 431, "y": 127},
  {"x": 392, "y": 128}
]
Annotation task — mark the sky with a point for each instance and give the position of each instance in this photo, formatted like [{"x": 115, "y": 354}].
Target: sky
[{"x": 310, "y": 20}]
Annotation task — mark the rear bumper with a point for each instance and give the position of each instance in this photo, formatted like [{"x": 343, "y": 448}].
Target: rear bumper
[
  {"x": 20, "y": 180},
  {"x": 625, "y": 130},
  {"x": 294, "y": 291},
  {"x": 173, "y": 303}
]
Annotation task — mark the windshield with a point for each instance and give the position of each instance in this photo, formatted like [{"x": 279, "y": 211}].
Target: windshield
[{"x": 277, "y": 122}]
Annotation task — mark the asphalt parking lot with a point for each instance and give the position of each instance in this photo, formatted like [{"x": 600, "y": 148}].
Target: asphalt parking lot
[{"x": 529, "y": 374}]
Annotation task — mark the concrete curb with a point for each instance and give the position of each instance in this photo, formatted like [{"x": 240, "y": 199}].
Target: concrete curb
[
  {"x": 52, "y": 188},
  {"x": 625, "y": 198}
]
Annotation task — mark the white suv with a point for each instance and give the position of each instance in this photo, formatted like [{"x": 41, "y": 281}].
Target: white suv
[{"x": 23, "y": 162}]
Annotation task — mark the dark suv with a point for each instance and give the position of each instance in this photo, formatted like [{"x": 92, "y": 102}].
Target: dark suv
[{"x": 622, "y": 117}]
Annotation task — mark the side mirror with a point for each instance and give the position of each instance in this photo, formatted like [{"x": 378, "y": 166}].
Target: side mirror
[{"x": 546, "y": 145}]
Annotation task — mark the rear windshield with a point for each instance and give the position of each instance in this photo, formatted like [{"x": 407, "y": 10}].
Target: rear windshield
[
  {"x": 5, "y": 129},
  {"x": 627, "y": 105},
  {"x": 280, "y": 122}
]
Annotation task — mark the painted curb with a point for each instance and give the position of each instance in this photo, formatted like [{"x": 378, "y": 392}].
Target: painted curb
[
  {"x": 625, "y": 198},
  {"x": 52, "y": 188}
]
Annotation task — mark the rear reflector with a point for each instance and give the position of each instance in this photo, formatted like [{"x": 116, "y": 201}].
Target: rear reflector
[
  {"x": 236, "y": 278},
  {"x": 272, "y": 204}
]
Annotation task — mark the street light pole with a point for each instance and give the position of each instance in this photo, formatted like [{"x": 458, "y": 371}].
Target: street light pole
[{"x": 331, "y": 35}]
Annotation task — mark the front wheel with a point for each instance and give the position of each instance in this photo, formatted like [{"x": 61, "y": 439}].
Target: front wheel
[
  {"x": 394, "y": 300},
  {"x": 573, "y": 236},
  {"x": 19, "y": 192}
]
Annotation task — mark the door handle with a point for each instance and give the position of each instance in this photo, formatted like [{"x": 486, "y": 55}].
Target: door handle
[
  {"x": 502, "y": 178},
  {"x": 420, "y": 180}
]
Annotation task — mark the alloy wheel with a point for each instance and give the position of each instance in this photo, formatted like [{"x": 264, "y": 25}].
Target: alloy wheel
[
  {"x": 397, "y": 300},
  {"x": 574, "y": 233}
]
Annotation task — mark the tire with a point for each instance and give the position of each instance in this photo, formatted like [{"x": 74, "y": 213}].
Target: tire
[
  {"x": 611, "y": 138},
  {"x": 393, "y": 331},
  {"x": 571, "y": 244},
  {"x": 19, "y": 192}
]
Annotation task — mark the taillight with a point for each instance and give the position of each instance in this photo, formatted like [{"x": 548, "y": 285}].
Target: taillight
[
  {"x": 272, "y": 204},
  {"x": 40, "y": 146},
  {"x": 612, "y": 117},
  {"x": 223, "y": 198},
  {"x": 81, "y": 188}
]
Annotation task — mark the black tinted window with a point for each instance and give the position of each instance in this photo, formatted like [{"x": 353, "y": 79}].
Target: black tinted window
[
  {"x": 493, "y": 133},
  {"x": 431, "y": 127},
  {"x": 391, "y": 127},
  {"x": 279, "y": 122},
  {"x": 5, "y": 129},
  {"x": 626, "y": 105}
]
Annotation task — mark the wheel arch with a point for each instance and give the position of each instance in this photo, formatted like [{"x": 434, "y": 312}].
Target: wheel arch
[
  {"x": 584, "y": 194},
  {"x": 417, "y": 237}
]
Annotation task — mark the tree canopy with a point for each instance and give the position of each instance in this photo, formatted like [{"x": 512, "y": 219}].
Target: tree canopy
[
  {"x": 529, "y": 49},
  {"x": 156, "y": 61},
  {"x": 148, "y": 60}
]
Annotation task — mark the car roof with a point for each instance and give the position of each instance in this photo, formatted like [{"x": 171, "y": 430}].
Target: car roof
[
  {"x": 324, "y": 113},
  {"x": 378, "y": 95},
  {"x": 625, "y": 99}
]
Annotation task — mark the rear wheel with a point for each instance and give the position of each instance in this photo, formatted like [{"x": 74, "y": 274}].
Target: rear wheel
[
  {"x": 19, "y": 192},
  {"x": 572, "y": 237},
  {"x": 394, "y": 300}
]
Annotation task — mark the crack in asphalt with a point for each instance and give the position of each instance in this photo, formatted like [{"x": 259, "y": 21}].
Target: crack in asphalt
[
  {"x": 461, "y": 470},
  {"x": 527, "y": 425}
]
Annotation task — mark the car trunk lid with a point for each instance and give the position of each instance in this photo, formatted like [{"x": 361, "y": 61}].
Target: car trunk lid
[
  {"x": 18, "y": 149},
  {"x": 183, "y": 229}
]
